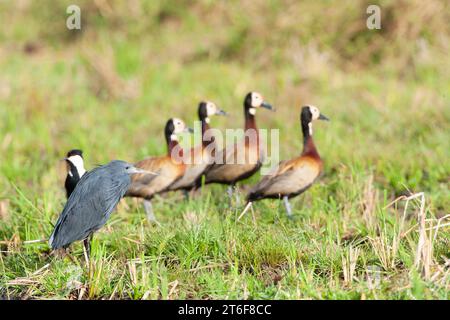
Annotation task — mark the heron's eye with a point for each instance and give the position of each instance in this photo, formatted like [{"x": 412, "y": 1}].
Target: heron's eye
[{"x": 127, "y": 168}]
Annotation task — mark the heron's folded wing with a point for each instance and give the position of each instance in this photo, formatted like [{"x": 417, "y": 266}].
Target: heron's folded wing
[{"x": 87, "y": 209}]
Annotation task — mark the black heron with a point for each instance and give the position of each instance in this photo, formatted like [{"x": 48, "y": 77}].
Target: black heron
[{"x": 91, "y": 203}]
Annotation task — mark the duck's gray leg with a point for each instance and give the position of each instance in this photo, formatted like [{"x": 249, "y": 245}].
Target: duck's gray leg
[
  {"x": 230, "y": 192},
  {"x": 149, "y": 211},
  {"x": 236, "y": 194},
  {"x": 230, "y": 195},
  {"x": 287, "y": 205}
]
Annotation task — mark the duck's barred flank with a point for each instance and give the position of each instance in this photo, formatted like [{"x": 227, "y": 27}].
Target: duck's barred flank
[
  {"x": 292, "y": 177},
  {"x": 236, "y": 166}
]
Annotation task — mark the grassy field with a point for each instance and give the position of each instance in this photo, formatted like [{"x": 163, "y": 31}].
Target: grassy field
[{"x": 109, "y": 88}]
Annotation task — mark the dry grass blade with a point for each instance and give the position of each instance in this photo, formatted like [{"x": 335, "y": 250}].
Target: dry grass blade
[
  {"x": 386, "y": 247},
  {"x": 22, "y": 282},
  {"x": 132, "y": 271},
  {"x": 349, "y": 260},
  {"x": 132, "y": 240},
  {"x": 31, "y": 279},
  {"x": 173, "y": 289},
  {"x": 368, "y": 202},
  {"x": 424, "y": 252},
  {"x": 35, "y": 241},
  {"x": 39, "y": 271}
]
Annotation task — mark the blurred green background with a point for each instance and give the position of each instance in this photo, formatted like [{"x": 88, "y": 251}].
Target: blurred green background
[{"x": 109, "y": 87}]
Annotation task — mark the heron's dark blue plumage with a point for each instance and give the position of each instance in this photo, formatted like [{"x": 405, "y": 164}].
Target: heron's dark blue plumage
[{"x": 91, "y": 203}]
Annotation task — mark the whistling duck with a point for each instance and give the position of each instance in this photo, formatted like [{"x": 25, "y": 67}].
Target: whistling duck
[
  {"x": 169, "y": 168},
  {"x": 200, "y": 156},
  {"x": 75, "y": 170},
  {"x": 292, "y": 177},
  {"x": 241, "y": 160}
]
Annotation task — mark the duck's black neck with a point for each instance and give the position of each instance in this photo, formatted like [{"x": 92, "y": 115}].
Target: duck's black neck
[
  {"x": 205, "y": 128},
  {"x": 305, "y": 131},
  {"x": 171, "y": 143},
  {"x": 308, "y": 144}
]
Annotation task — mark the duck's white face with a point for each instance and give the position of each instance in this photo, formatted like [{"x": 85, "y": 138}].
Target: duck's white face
[
  {"x": 257, "y": 100},
  {"x": 78, "y": 163},
  {"x": 314, "y": 112},
  {"x": 211, "y": 108},
  {"x": 179, "y": 127}
]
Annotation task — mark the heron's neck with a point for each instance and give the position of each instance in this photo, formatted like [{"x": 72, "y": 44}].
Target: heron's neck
[{"x": 73, "y": 172}]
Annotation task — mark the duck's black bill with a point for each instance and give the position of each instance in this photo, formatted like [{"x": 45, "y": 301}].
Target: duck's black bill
[
  {"x": 322, "y": 117},
  {"x": 221, "y": 113},
  {"x": 267, "y": 106}
]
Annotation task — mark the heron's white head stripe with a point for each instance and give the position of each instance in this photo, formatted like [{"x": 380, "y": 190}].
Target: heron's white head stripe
[{"x": 77, "y": 161}]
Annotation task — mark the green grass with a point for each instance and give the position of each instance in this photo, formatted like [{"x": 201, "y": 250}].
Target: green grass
[{"x": 110, "y": 89}]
